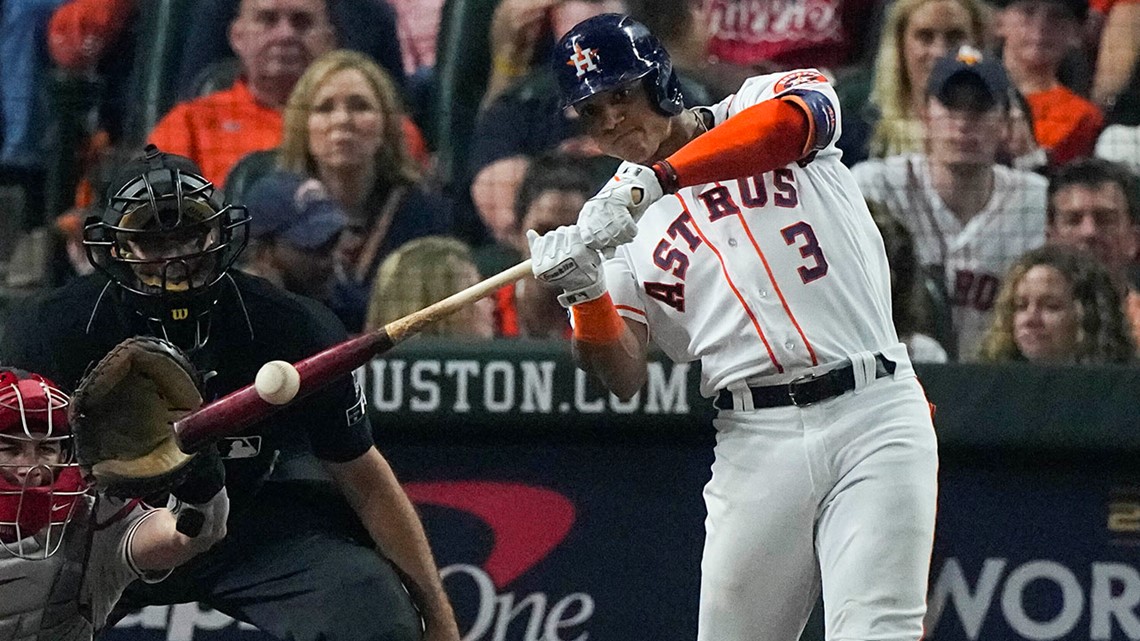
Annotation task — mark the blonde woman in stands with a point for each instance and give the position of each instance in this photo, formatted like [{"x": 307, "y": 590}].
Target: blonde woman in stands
[
  {"x": 915, "y": 34},
  {"x": 423, "y": 272},
  {"x": 1058, "y": 306},
  {"x": 343, "y": 125}
]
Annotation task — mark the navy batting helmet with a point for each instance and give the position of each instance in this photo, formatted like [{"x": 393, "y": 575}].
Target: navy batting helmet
[{"x": 610, "y": 50}]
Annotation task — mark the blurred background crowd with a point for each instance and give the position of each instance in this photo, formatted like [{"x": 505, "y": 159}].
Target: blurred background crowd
[{"x": 392, "y": 152}]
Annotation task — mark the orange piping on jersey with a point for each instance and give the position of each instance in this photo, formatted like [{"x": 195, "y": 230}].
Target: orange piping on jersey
[
  {"x": 763, "y": 137},
  {"x": 724, "y": 270},
  {"x": 772, "y": 279},
  {"x": 630, "y": 309}
]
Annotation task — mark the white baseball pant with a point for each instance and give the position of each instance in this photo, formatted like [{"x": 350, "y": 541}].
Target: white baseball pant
[{"x": 839, "y": 494}]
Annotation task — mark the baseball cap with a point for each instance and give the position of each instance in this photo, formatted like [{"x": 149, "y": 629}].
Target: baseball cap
[
  {"x": 968, "y": 65},
  {"x": 296, "y": 208}
]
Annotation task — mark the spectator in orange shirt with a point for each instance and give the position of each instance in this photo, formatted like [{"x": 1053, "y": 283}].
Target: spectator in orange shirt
[
  {"x": 1037, "y": 34},
  {"x": 1094, "y": 206},
  {"x": 275, "y": 40}
]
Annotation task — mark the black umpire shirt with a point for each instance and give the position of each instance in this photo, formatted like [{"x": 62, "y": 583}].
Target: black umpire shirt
[{"x": 50, "y": 336}]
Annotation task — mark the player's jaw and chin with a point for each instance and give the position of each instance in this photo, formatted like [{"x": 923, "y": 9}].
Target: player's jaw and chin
[{"x": 640, "y": 131}]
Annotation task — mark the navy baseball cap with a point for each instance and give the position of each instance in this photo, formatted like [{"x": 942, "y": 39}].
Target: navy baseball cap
[
  {"x": 968, "y": 65},
  {"x": 295, "y": 208}
]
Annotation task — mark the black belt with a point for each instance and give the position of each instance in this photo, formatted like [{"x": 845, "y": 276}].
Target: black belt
[{"x": 808, "y": 389}]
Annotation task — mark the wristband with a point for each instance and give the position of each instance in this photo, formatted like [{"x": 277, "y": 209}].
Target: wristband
[
  {"x": 666, "y": 176},
  {"x": 597, "y": 321}
]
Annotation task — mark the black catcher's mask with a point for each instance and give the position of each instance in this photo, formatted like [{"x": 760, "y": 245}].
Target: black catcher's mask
[{"x": 167, "y": 238}]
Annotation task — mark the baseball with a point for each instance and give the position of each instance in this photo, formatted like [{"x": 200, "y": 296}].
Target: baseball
[{"x": 277, "y": 382}]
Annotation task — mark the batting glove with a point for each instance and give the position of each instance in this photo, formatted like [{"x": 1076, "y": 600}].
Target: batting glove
[
  {"x": 561, "y": 259},
  {"x": 610, "y": 218}
]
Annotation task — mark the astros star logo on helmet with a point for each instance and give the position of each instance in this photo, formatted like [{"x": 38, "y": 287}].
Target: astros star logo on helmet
[{"x": 584, "y": 59}]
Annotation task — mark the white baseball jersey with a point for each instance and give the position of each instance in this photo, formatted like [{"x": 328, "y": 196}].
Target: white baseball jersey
[
  {"x": 762, "y": 278},
  {"x": 975, "y": 255},
  {"x": 69, "y": 594}
]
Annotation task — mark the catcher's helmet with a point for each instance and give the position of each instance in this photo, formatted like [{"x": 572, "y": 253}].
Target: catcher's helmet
[
  {"x": 610, "y": 50},
  {"x": 166, "y": 236},
  {"x": 40, "y": 482}
]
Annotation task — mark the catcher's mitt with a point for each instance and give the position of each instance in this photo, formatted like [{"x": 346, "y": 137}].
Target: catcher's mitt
[{"x": 122, "y": 415}]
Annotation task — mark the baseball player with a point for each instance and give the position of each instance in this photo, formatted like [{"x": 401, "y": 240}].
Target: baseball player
[
  {"x": 755, "y": 254},
  {"x": 65, "y": 555}
]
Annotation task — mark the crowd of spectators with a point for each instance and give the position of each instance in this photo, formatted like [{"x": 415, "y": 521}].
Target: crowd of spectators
[{"x": 996, "y": 142}]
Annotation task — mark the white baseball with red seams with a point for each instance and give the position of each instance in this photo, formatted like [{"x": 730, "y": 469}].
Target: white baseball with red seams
[
  {"x": 764, "y": 280},
  {"x": 277, "y": 382}
]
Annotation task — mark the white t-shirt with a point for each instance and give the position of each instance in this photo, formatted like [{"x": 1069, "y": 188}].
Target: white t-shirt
[
  {"x": 976, "y": 255},
  {"x": 761, "y": 279}
]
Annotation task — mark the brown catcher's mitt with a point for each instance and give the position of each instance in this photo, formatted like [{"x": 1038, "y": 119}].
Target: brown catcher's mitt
[{"x": 122, "y": 415}]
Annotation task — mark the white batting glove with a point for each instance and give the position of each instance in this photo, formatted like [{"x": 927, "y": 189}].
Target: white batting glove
[
  {"x": 560, "y": 258},
  {"x": 610, "y": 218}
]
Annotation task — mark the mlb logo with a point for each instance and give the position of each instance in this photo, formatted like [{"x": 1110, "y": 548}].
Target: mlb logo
[
  {"x": 237, "y": 447},
  {"x": 583, "y": 59}
]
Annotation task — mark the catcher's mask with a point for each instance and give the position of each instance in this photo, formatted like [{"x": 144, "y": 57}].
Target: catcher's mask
[
  {"x": 40, "y": 483},
  {"x": 167, "y": 238}
]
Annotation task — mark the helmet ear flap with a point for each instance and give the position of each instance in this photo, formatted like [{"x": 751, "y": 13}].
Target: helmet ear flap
[{"x": 664, "y": 90}]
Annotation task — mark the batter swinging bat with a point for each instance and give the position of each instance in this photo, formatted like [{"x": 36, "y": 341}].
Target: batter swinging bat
[{"x": 237, "y": 410}]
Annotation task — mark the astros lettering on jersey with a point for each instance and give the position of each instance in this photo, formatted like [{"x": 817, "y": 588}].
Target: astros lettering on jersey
[{"x": 794, "y": 274}]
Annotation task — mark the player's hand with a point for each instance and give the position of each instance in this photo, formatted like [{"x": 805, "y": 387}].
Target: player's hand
[
  {"x": 610, "y": 218},
  {"x": 562, "y": 259},
  {"x": 205, "y": 478}
]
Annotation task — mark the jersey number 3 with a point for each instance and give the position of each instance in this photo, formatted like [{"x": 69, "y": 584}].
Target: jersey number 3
[{"x": 810, "y": 250}]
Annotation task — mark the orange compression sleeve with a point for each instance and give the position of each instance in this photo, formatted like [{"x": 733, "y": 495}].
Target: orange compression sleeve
[
  {"x": 759, "y": 139},
  {"x": 597, "y": 321}
]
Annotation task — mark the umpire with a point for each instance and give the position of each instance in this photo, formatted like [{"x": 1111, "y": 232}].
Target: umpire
[{"x": 312, "y": 498}]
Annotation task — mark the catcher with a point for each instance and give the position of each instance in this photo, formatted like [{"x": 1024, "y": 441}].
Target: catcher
[{"x": 69, "y": 547}]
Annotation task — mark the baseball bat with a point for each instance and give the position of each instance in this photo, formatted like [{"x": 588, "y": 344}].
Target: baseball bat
[{"x": 237, "y": 410}]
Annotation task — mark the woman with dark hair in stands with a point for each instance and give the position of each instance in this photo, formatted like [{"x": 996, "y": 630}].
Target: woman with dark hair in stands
[
  {"x": 343, "y": 125},
  {"x": 1058, "y": 306}
]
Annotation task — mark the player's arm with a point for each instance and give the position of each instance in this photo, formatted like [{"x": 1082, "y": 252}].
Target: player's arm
[
  {"x": 371, "y": 488},
  {"x": 170, "y": 537},
  {"x": 771, "y": 134},
  {"x": 759, "y": 139},
  {"x": 156, "y": 544},
  {"x": 613, "y": 348}
]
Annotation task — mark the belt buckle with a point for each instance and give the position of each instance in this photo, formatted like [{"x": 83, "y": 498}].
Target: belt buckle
[{"x": 793, "y": 386}]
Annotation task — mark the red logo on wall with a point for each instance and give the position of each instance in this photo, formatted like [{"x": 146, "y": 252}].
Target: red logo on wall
[{"x": 527, "y": 522}]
